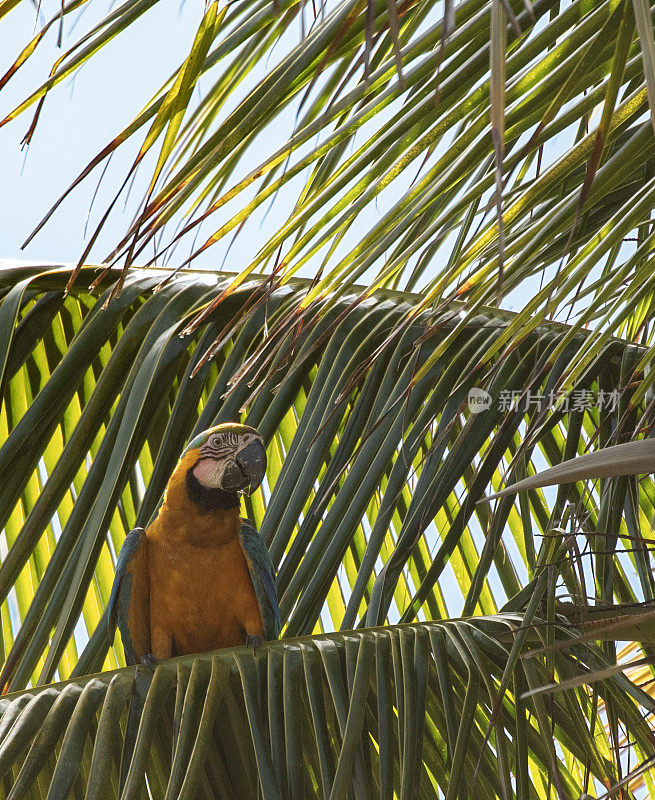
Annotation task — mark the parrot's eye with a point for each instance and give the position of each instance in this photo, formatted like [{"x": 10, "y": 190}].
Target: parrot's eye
[
  {"x": 215, "y": 447},
  {"x": 220, "y": 445}
]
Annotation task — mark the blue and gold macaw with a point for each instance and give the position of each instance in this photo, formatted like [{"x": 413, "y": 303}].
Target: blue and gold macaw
[{"x": 199, "y": 577}]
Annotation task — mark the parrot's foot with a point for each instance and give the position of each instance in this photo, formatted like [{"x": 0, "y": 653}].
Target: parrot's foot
[
  {"x": 150, "y": 661},
  {"x": 253, "y": 641}
]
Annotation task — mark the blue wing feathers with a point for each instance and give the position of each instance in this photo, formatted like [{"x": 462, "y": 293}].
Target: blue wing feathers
[
  {"x": 119, "y": 599},
  {"x": 262, "y": 573}
]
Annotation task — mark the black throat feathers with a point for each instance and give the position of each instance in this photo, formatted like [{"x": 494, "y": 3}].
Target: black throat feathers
[{"x": 209, "y": 499}]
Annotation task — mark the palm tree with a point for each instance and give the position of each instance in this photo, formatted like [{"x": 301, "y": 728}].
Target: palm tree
[{"x": 433, "y": 645}]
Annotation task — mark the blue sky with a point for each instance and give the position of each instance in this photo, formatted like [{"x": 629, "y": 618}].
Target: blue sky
[{"x": 79, "y": 117}]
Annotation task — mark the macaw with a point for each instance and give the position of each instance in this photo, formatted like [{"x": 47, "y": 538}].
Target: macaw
[{"x": 199, "y": 577}]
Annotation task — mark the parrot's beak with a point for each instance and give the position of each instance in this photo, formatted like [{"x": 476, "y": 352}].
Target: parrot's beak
[{"x": 252, "y": 462}]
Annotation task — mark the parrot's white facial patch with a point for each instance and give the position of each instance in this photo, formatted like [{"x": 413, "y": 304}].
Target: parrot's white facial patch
[{"x": 209, "y": 473}]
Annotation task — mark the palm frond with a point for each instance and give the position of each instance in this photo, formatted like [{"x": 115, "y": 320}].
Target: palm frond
[
  {"x": 370, "y": 513},
  {"x": 402, "y": 710}
]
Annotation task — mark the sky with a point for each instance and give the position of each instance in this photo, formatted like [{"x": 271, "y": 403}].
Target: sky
[{"x": 79, "y": 117}]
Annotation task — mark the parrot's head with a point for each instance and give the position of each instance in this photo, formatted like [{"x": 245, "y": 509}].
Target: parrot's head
[{"x": 229, "y": 457}]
